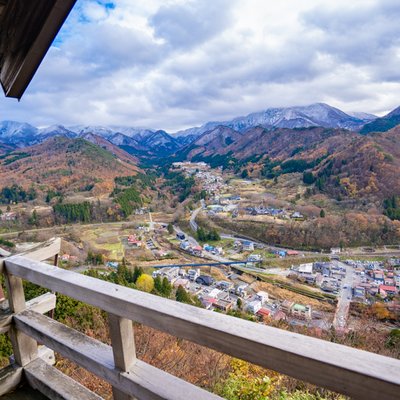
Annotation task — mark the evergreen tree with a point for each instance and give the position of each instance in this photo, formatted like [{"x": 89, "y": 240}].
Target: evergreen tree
[
  {"x": 182, "y": 295},
  {"x": 166, "y": 287},
  {"x": 137, "y": 272},
  {"x": 158, "y": 284},
  {"x": 33, "y": 219}
]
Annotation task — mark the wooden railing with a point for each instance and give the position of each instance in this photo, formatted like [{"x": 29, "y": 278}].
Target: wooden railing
[{"x": 359, "y": 374}]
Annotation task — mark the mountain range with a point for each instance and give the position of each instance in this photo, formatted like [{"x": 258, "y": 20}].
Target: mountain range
[
  {"x": 337, "y": 148},
  {"x": 159, "y": 142}
]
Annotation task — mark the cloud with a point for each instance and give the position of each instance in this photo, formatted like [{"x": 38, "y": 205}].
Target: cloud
[
  {"x": 186, "y": 25},
  {"x": 172, "y": 64}
]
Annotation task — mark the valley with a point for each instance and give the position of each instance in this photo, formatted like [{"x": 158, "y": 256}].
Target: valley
[{"x": 291, "y": 225}]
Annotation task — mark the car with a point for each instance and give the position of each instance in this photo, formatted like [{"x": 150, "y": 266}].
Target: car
[
  {"x": 205, "y": 280},
  {"x": 180, "y": 236}
]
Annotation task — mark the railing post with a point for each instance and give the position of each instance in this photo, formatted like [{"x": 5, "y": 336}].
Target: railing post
[
  {"x": 25, "y": 348},
  {"x": 123, "y": 345}
]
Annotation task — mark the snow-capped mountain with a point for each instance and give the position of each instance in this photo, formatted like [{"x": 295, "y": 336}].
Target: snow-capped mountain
[
  {"x": 19, "y": 134},
  {"x": 142, "y": 140},
  {"x": 318, "y": 114},
  {"x": 55, "y": 130},
  {"x": 363, "y": 116},
  {"x": 109, "y": 131}
]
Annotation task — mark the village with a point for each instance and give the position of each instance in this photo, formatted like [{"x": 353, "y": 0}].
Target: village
[{"x": 234, "y": 274}]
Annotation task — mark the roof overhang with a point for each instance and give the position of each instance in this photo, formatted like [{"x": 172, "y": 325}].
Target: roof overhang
[{"x": 27, "y": 30}]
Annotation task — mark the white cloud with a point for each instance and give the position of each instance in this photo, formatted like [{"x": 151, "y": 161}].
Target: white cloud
[{"x": 176, "y": 63}]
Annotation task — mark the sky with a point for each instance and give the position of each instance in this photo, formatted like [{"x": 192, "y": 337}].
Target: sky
[{"x": 174, "y": 64}]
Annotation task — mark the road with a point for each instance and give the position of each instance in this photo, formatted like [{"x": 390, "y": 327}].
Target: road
[
  {"x": 193, "y": 224},
  {"x": 151, "y": 223},
  {"x": 344, "y": 298}
]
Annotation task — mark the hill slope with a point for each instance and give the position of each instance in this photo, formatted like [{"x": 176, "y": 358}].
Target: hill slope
[
  {"x": 65, "y": 165},
  {"x": 383, "y": 124}
]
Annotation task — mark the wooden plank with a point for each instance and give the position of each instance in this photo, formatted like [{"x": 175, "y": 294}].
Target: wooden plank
[
  {"x": 41, "y": 304},
  {"x": 42, "y": 252},
  {"x": 123, "y": 345},
  {"x": 142, "y": 380},
  {"x": 54, "y": 384},
  {"x": 356, "y": 373},
  {"x": 24, "y": 347},
  {"x": 10, "y": 378}
]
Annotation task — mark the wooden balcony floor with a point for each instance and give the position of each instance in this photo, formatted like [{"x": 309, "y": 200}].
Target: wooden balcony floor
[{"x": 24, "y": 393}]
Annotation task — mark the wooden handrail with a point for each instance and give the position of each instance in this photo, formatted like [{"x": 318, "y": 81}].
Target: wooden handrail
[
  {"x": 356, "y": 373},
  {"x": 140, "y": 379}
]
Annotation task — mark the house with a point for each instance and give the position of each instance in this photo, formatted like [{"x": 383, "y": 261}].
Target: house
[
  {"x": 68, "y": 258},
  {"x": 309, "y": 278},
  {"x": 292, "y": 253},
  {"x": 262, "y": 296},
  {"x": 214, "y": 293},
  {"x": 389, "y": 281},
  {"x": 247, "y": 245},
  {"x": 169, "y": 272},
  {"x": 223, "y": 304},
  {"x": 254, "y": 306},
  {"x": 335, "y": 250},
  {"x": 134, "y": 242},
  {"x": 197, "y": 251},
  {"x": 237, "y": 244},
  {"x": 297, "y": 215},
  {"x": 112, "y": 264},
  {"x": 185, "y": 283},
  {"x": 263, "y": 313},
  {"x": 305, "y": 268},
  {"x": 193, "y": 274},
  {"x": 254, "y": 258},
  {"x": 279, "y": 316},
  {"x": 8, "y": 216},
  {"x": 359, "y": 292},
  {"x": 224, "y": 285},
  {"x": 286, "y": 306},
  {"x": 208, "y": 302},
  {"x": 209, "y": 248},
  {"x": 185, "y": 245},
  {"x": 385, "y": 290},
  {"x": 301, "y": 312},
  {"x": 241, "y": 290},
  {"x": 65, "y": 257},
  {"x": 379, "y": 277}
]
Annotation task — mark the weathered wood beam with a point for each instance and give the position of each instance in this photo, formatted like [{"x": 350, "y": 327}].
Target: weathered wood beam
[
  {"x": 141, "y": 380},
  {"x": 54, "y": 384},
  {"x": 25, "y": 348},
  {"x": 123, "y": 345},
  {"x": 41, "y": 252},
  {"x": 41, "y": 304},
  {"x": 10, "y": 378},
  {"x": 356, "y": 373}
]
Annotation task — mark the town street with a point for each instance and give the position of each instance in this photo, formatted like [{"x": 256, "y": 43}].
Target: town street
[{"x": 344, "y": 297}]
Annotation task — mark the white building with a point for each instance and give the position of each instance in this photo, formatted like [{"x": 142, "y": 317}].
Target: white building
[
  {"x": 262, "y": 296},
  {"x": 254, "y": 306}
]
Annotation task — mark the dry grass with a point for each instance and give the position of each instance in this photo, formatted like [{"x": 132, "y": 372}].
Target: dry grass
[{"x": 283, "y": 294}]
